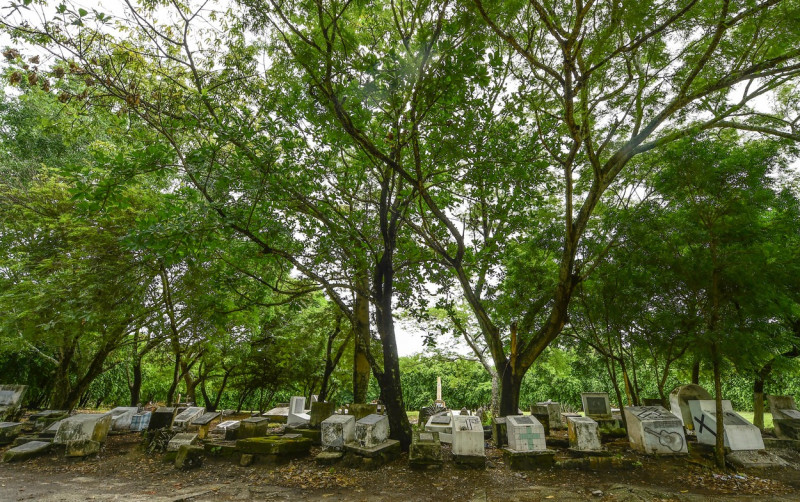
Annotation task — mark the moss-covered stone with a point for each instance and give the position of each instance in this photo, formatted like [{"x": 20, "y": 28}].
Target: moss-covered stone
[
  {"x": 189, "y": 456},
  {"x": 425, "y": 451},
  {"x": 220, "y": 449},
  {"x": 9, "y": 431},
  {"x": 329, "y": 457},
  {"x": 275, "y": 445},
  {"x": 82, "y": 448},
  {"x": 528, "y": 460},
  {"x": 599, "y": 464},
  {"x": 499, "y": 431},
  {"x": 26, "y": 451},
  {"x": 315, "y": 435},
  {"x": 360, "y": 411}
]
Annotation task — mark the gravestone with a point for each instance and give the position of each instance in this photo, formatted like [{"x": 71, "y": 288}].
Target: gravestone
[
  {"x": 542, "y": 414},
  {"x": 425, "y": 451},
  {"x": 141, "y": 421},
  {"x": 739, "y": 433},
  {"x": 584, "y": 435},
  {"x": 228, "y": 429},
  {"x": 320, "y": 410},
  {"x": 297, "y": 412},
  {"x": 372, "y": 430},
  {"x": 11, "y": 401},
  {"x": 161, "y": 418},
  {"x": 654, "y": 430},
  {"x": 338, "y": 430},
  {"x": 468, "y": 447},
  {"x": 785, "y": 417},
  {"x": 26, "y": 451},
  {"x": 596, "y": 405},
  {"x": 525, "y": 433},
  {"x": 187, "y": 438},
  {"x": 90, "y": 426},
  {"x": 554, "y": 412},
  {"x": 442, "y": 423},
  {"x": 278, "y": 414},
  {"x": 361, "y": 410},
  {"x": 679, "y": 402},
  {"x": 9, "y": 431},
  {"x": 464, "y": 411},
  {"x": 427, "y": 412},
  {"x": 253, "y": 427},
  {"x": 45, "y": 418},
  {"x": 185, "y": 417},
  {"x": 121, "y": 417},
  {"x": 499, "y": 431},
  {"x": 203, "y": 422}
]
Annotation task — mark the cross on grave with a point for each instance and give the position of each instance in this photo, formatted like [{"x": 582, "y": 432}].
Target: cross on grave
[
  {"x": 701, "y": 422},
  {"x": 529, "y": 436}
]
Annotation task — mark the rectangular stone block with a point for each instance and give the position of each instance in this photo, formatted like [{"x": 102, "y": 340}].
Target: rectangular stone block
[
  {"x": 121, "y": 417},
  {"x": 338, "y": 430},
  {"x": 782, "y": 407},
  {"x": 739, "y": 433},
  {"x": 442, "y": 423},
  {"x": 467, "y": 436},
  {"x": 9, "y": 431},
  {"x": 654, "y": 430},
  {"x": 320, "y": 411},
  {"x": 253, "y": 427},
  {"x": 141, "y": 421},
  {"x": 26, "y": 451},
  {"x": 583, "y": 434},
  {"x": 278, "y": 414},
  {"x": 554, "y": 412},
  {"x": 596, "y": 404},
  {"x": 205, "y": 418},
  {"x": 525, "y": 433},
  {"x": 93, "y": 426},
  {"x": 372, "y": 430},
  {"x": 360, "y": 411},
  {"x": 187, "y": 438},
  {"x": 785, "y": 428},
  {"x": 542, "y": 415},
  {"x": 185, "y": 417},
  {"x": 161, "y": 418},
  {"x": 425, "y": 451}
]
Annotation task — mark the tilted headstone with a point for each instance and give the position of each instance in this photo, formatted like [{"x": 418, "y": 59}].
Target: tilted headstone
[
  {"x": 278, "y": 414},
  {"x": 229, "y": 429},
  {"x": 337, "y": 430},
  {"x": 121, "y": 417},
  {"x": 90, "y": 426},
  {"x": 26, "y": 451},
  {"x": 468, "y": 437},
  {"x": 739, "y": 433},
  {"x": 525, "y": 433},
  {"x": 541, "y": 414},
  {"x": 679, "y": 402},
  {"x": 161, "y": 418},
  {"x": 11, "y": 401},
  {"x": 427, "y": 412},
  {"x": 785, "y": 417},
  {"x": 372, "y": 430},
  {"x": 320, "y": 410},
  {"x": 583, "y": 434},
  {"x": 554, "y": 412},
  {"x": 653, "y": 429},
  {"x": 185, "y": 417},
  {"x": 442, "y": 423},
  {"x": 596, "y": 405},
  {"x": 9, "y": 431},
  {"x": 141, "y": 421},
  {"x": 187, "y": 438},
  {"x": 297, "y": 413}
]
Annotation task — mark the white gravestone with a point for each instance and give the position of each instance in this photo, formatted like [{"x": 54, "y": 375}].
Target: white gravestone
[
  {"x": 177, "y": 440},
  {"x": 525, "y": 433},
  {"x": 442, "y": 423},
  {"x": 467, "y": 436},
  {"x": 297, "y": 412},
  {"x": 92, "y": 427},
  {"x": 185, "y": 417},
  {"x": 596, "y": 404},
  {"x": 337, "y": 430},
  {"x": 121, "y": 417},
  {"x": 653, "y": 429},
  {"x": 583, "y": 434},
  {"x": 372, "y": 430},
  {"x": 679, "y": 402},
  {"x": 739, "y": 433}
]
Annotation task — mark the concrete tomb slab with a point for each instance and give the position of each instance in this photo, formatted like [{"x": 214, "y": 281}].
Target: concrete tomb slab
[
  {"x": 162, "y": 418},
  {"x": 442, "y": 423},
  {"x": 679, "y": 402},
  {"x": 584, "y": 435},
  {"x": 338, "y": 430},
  {"x": 525, "y": 433},
  {"x": 184, "y": 418},
  {"x": 121, "y": 417},
  {"x": 253, "y": 427},
  {"x": 541, "y": 414},
  {"x": 468, "y": 446},
  {"x": 90, "y": 426},
  {"x": 229, "y": 429},
  {"x": 187, "y": 438},
  {"x": 9, "y": 431},
  {"x": 278, "y": 414},
  {"x": 425, "y": 451},
  {"x": 372, "y": 430},
  {"x": 739, "y": 433},
  {"x": 140, "y": 421},
  {"x": 653, "y": 429},
  {"x": 297, "y": 412},
  {"x": 26, "y": 451},
  {"x": 205, "y": 418},
  {"x": 596, "y": 404}
]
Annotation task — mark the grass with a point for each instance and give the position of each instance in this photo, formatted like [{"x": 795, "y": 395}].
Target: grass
[{"x": 748, "y": 415}]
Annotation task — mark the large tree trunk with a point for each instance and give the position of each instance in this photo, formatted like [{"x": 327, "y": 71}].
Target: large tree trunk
[
  {"x": 696, "y": 371},
  {"x": 361, "y": 366},
  {"x": 510, "y": 386},
  {"x": 136, "y": 384}
]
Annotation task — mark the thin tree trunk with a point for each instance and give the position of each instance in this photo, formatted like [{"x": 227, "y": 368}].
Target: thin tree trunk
[
  {"x": 719, "y": 448},
  {"x": 361, "y": 366}
]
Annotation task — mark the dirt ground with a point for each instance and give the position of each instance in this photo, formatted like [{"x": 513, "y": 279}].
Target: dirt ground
[{"x": 123, "y": 472}]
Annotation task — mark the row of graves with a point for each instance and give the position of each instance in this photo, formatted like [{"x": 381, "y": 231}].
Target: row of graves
[{"x": 359, "y": 435}]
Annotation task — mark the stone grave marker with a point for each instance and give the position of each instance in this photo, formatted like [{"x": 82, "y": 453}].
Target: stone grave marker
[
  {"x": 525, "y": 433},
  {"x": 141, "y": 421},
  {"x": 278, "y": 414},
  {"x": 161, "y": 418},
  {"x": 338, "y": 430},
  {"x": 584, "y": 435},
  {"x": 785, "y": 417},
  {"x": 541, "y": 414},
  {"x": 679, "y": 402},
  {"x": 425, "y": 451},
  {"x": 26, "y": 451},
  {"x": 187, "y": 438},
  {"x": 468, "y": 447},
  {"x": 253, "y": 427},
  {"x": 427, "y": 412},
  {"x": 442, "y": 423},
  {"x": 11, "y": 401},
  {"x": 739, "y": 433},
  {"x": 9, "y": 431},
  {"x": 499, "y": 431},
  {"x": 121, "y": 417},
  {"x": 596, "y": 405},
  {"x": 185, "y": 417},
  {"x": 439, "y": 401},
  {"x": 44, "y": 418},
  {"x": 320, "y": 410},
  {"x": 89, "y": 426},
  {"x": 228, "y": 429},
  {"x": 203, "y": 422},
  {"x": 297, "y": 413},
  {"x": 654, "y": 430},
  {"x": 554, "y": 413},
  {"x": 372, "y": 430}
]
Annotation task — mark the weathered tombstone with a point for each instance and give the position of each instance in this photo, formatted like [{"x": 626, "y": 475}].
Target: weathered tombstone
[
  {"x": 584, "y": 435},
  {"x": 427, "y": 412},
  {"x": 338, "y": 430},
  {"x": 11, "y": 401},
  {"x": 372, "y": 430},
  {"x": 785, "y": 417},
  {"x": 278, "y": 414},
  {"x": 499, "y": 431},
  {"x": 141, "y": 421},
  {"x": 654, "y": 430},
  {"x": 9, "y": 431},
  {"x": 253, "y": 427},
  {"x": 187, "y": 438},
  {"x": 185, "y": 417},
  {"x": 442, "y": 423},
  {"x": 50, "y": 431},
  {"x": 739, "y": 433},
  {"x": 161, "y": 418},
  {"x": 542, "y": 414},
  {"x": 203, "y": 422},
  {"x": 121, "y": 417},
  {"x": 468, "y": 447},
  {"x": 425, "y": 451},
  {"x": 45, "y": 418},
  {"x": 679, "y": 402},
  {"x": 525, "y": 433},
  {"x": 320, "y": 410},
  {"x": 596, "y": 405},
  {"x": 228, "y": 429},
  {"x": 464, "y": 411},
  {"x": 90, "y": 426},
  {"x": 554, "y": 412},
  {"x": 361, "y": 410},
  {"x": 26, "y": 451},
  {"x": 297, "y": 413},
  {"x": 189, "y": 456}
]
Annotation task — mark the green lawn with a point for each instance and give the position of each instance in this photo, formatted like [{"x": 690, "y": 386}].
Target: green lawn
[{"x": 748, "y": 415}]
